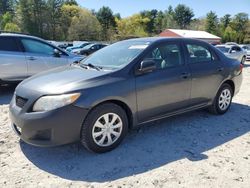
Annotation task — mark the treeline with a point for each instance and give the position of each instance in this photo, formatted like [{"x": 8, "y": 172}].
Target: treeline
[{"x": 66, "y": 20}]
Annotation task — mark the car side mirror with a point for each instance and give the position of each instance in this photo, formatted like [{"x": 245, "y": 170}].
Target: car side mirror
[
  {"x": 147, "y": 65},
  {"x": 56, "y": 53},
  {"x": 233, "y": 51}
]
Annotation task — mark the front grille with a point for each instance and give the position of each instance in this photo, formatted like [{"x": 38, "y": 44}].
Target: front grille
[{"x": 20, "y": 101}]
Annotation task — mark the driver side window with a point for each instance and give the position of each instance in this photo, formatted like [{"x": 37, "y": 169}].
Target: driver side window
[
  {"x": 33, "y": 46},
  {"x": 165, "y": 56}
]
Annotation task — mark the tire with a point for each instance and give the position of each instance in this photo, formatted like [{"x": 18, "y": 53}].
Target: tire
[
  {"x": 243, "y": 60},
  {"x": 95, "y": 124},
  {"x": 217, "y": 106}
]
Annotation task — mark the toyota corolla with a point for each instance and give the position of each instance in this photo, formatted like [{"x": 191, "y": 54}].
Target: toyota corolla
[{"x": 120, "y": 87}]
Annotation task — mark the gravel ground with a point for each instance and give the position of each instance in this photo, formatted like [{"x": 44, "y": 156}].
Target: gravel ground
[{"x": 191, "y": 150}]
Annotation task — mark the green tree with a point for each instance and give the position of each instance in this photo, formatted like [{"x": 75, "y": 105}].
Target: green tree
[
  {"x": 70, "y": 2},
  {"x": 229, "y": 35},
  {"x": 133, "y": 26},
  {"x": 225, "y": 21},
  {"x": 183, "y": 16},
  {"x": 68, "y": 12},
  {"x": 158, "y": 23},
  {"x": 12, "y": 27},
  {"x": 151, "y": 15},
  {"x": 33, "y": 16},
  {"x": 107, "y": 20},
  {"x": 6, "y": 18},
  {"x": 53, "y": 9},
  {"x": 240, "y": 24},
  {"x": 85, "y": 26},
  {"x": 212, "y": 23},
  {"x": 6, "y": 6},
  {"x": 168, "y": 21}
]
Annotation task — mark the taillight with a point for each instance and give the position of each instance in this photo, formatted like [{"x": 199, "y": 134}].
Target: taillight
[{"x": 241, "y": 67}]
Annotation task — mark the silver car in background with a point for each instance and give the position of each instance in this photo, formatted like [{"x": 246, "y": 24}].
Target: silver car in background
[
  {"x": 22, "y": 56},
  {"x": 247, "y": 49},
  {"x": 233, "y": 51}
]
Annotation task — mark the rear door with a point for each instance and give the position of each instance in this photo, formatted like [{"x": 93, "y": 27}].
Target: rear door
[
  {"x": 207, "y": 72},
  {"x": 167, "y": 88},
  {"x": 13, "y": 65},
  {"x": 41, "y": 56}
]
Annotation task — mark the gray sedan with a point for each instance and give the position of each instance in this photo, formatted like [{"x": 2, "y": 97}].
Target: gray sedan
[
  {"x": 22, "y": 56},
  {"x": 120, "y": 87},
  {"x": 234, "y": 52}
]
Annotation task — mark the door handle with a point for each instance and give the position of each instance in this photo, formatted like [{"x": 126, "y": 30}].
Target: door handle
[
  {"x": 220, "y": 69},
  {"x": 31, "y": 58},
  {"x": 185, "y": 75}
]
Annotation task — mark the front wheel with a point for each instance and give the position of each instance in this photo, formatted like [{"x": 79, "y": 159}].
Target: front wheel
[
  {"x": 223, "y": 100},
  {"x": 104, "y": 128}
]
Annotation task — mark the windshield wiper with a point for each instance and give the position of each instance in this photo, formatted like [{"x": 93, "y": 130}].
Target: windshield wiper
[{"x": 89, "y": 65}]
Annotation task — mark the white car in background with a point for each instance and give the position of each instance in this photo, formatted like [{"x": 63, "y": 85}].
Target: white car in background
[
  {"x": 247, "y": 49},
  {"x": 233, "y": 51}
]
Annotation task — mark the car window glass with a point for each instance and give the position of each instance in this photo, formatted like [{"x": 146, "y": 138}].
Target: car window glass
[
  {"x": 165, "y": 56},
  {"x": 238, "y": 49},
  {"x": 198, "y": 53},
  {"x": 37, "y": 47},
  {"x": 8, "y": 44}
]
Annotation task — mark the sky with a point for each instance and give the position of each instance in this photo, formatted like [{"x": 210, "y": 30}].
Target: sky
[{"x": 200, "y": 7}]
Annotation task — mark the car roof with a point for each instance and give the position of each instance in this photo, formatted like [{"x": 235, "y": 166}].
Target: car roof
[
  {"x": 18, "y": 35},
  {"x": 160, "y": 39},
  {"x": 225, "y": 45}
]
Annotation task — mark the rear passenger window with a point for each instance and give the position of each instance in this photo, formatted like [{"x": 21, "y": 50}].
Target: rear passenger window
[
  {"x": 165, "y": 56},
  {"x": 199, "y": 54},
  {"x": 8, "y": 44}
]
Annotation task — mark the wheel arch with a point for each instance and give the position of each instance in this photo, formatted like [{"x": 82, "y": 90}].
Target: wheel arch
[
  {"x": 123, "y": 105},
  {"x": 231, "y": 83}
]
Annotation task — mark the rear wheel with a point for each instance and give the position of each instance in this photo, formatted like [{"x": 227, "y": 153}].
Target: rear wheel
[
  {"x": 104, "y": 128},
  {"x": 222, "y": 101}
]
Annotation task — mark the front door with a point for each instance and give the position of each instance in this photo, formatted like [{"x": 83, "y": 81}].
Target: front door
[
  {"x": 167, "y": 88},
  {"x": 40, "y": 56}
]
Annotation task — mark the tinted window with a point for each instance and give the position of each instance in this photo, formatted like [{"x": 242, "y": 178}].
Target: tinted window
[
  {"x": 236, "y": 48},
  {"x": 37, "y": 47},
  {"x": 166, "y": 56},
  {"x": 198, "y": 53},
  {"x": 8, "y": 44}
]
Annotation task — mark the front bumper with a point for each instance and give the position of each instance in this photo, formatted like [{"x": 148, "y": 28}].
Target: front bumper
[{"x": 52, "y": 128}]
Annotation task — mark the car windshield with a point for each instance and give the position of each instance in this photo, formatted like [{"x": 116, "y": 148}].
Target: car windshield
[
  {"x": 116, "y": 55},
  {"x": 88, "y": 46},
  {"x": 224, "y": 49}
]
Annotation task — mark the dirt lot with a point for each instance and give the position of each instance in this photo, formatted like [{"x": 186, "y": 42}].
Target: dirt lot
[{"x": 192, "y": 150}]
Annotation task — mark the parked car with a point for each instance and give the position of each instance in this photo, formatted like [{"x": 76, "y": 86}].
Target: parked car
[
  {"x": 231, "y": 43},
  {"x": 247, "y": 49},
  {"x": 78, "y": 46},
  {"x": 89, "y": 49},
  {"x": 22, "y": 56},
  {"x": 234, "y": 52},
  {"x": 120, "y": 87}
]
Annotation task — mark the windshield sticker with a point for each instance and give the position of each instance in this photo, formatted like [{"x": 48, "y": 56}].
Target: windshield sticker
[{"x": 138, "y": 47}]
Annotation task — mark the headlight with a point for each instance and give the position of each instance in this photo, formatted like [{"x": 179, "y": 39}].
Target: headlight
[{"x": 48, "y": 103}]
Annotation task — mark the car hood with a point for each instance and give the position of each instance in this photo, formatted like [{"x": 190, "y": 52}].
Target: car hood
[{"x": 60, "y": 80}]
